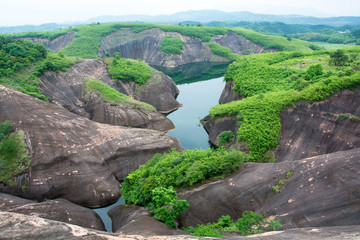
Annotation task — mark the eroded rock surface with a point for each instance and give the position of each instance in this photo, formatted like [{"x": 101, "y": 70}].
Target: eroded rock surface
[
  {"x": 72, "y": 157},
  {"x": 32, "y": 227},
  {"x": 322, "y": 191},
  {"x": 321, "y": 127},
  {"x": 228, "y": 94},
  {"x": 66, "y": 89},
  {"x": 58, "y": 209},
  {"x": 146, "y": 45},
  {"x": 56, "y": 44},
  {"x": 137, "y": 220}
]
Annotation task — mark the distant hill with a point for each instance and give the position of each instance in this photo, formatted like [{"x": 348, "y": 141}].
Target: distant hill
[{"x": 199, "y": 16}]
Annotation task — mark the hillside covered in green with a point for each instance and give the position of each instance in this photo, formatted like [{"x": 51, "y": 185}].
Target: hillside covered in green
[
  {"x": 88, "y": 37},
  {"x": 271, "y": 82},
  {"x": 21, "y": 62}
]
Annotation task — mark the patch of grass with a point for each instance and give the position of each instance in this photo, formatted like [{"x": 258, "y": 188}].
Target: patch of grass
[
  {"x": 14, "y": 158},
  {"x": 129, "y": 70},
  {"x": 219, "y": 50},
  {"x": 171, "y": 45},
  {"x": 225, "y": 137},
  {"x": 344, "y": 116},
  {"x": 5, "y": 129},
  {"x": 110, "y": 95}
]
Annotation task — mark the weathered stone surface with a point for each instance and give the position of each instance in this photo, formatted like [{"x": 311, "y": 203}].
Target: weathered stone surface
[
  {"x": 58, "y": 209},
  {"x": 33, "y": 227},
  {"x": 56, "y": 44},
  {"x": 65, "y": 89},
  {"x": 323, "y": 191},
  {"x": 146, "y": 45},
  {"x": 216, "y": 126},
  {"x": 137, "y": 220},
  {"x": 228, "y": 94},
  {"x": 239, "y": 44},
  {"x": 312, "y": 129},
  {"x": 160, "y": 91},
  {"x": 72, "y": 157}
]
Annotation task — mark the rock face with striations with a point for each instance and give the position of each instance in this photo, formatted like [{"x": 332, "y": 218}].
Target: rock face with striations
[
  {"x": 321, "y": 127},
  {"x": 228, "y": 94},
  {"x": 55, "y": 44},
  {"x": 72, "y": 157},
  {"x": 321, "y": 191},
  {"x": 58, "y": 209},
  {"x": 66, "y": 89}
]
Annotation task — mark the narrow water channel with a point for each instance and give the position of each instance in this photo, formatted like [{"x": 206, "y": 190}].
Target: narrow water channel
[{"x": 197, "y": 98}]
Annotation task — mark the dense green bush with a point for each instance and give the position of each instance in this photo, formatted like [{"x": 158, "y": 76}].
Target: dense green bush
[
  {"x": 165, "y": 206},
  {"x": 273, "y": 81},
  {"x": 249, "y": 223},
  {"x": 5, "y": 129},
  {"x": 129, "y": 70},
  {"x": 178, "y": 169},
  {"x": 225, "y": 137},
  {"x": 171, "y": 45},
  {"x": 110, "y": 95}
]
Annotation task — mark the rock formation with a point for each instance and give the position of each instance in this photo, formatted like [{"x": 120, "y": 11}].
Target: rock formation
[
  {"x": 317, "y": 191},
  {"x": 311, "y": 129},
  {"x": 137, "y": 220},
  {"x": 33, "y": 227},
  {"x": 228, "y": 94},
  {"x": 58, "y": 209},
  {"x": 65, "y": 89},
  {"x": 55, "y": 44},
  {"x": 72, "y": 157}
]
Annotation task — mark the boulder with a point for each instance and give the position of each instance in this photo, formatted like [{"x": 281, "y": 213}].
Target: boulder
[
  {"x": 315, "y": 192},
  {"x": 66, "y": 89},
  {"x": 58, "y": 209},
  {"x": 137, "y": 220},
  {"x": 72, "y": 157}
]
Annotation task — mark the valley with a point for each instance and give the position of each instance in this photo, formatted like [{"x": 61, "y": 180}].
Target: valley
[{"x": 196, "y": 128}]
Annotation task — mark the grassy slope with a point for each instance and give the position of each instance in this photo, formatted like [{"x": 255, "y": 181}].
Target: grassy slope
[
  {"x": 273, "y": 81},
  {"x": 87, "y": 41},
  {"x": 110, "y": 95}
]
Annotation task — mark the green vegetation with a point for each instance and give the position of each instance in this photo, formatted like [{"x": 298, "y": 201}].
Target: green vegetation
[
  {"x": 178, "y": 169},
  {"x": 171, "y": 45},
  {"x": 155, "y": 179},
  {"x": 312, "y": 33},
  {"x": 219, "y": 50},
  {"x": 165, "y": 206},
  {"x": 110, "y": 95},
  {"x": 280, "y": 183},
  {"x": 249, "y": 223},
  {"x": 21, "y": 62},
  {"x": 273, "y": 81},
  {"x": 14, "y": 158},
  {"x": 333, "y": 46},
  {"x": 225, "y": 137},
  {"x": 88, "y": 37},
  {"x": 129, "y": 70},
  {"x": 5, "y": 129},
  {"x": 338, "y": 58}
]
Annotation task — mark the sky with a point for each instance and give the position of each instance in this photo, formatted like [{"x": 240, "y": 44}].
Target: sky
[{"x": 35, "y": 12}]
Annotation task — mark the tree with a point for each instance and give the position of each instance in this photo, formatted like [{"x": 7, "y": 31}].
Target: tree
[{"x": 338, "y": 58}]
